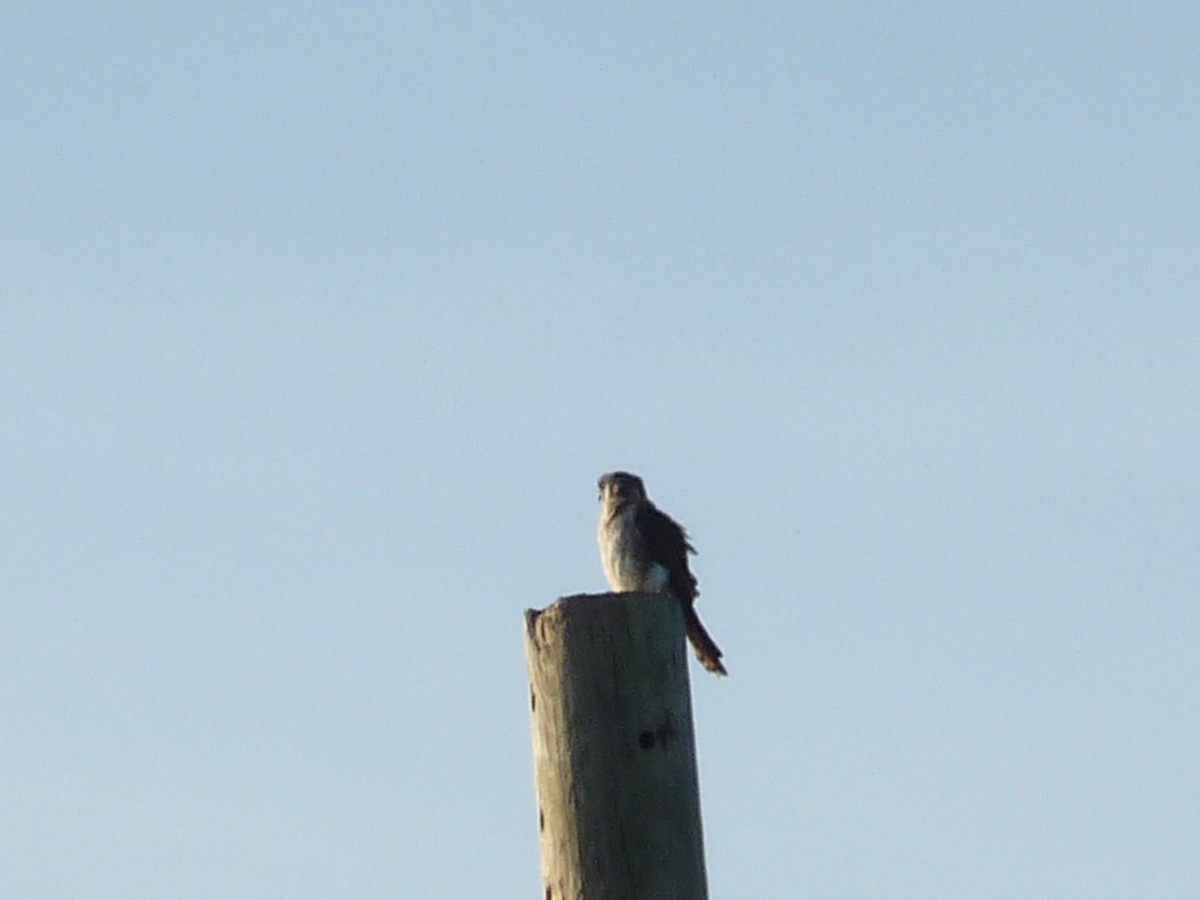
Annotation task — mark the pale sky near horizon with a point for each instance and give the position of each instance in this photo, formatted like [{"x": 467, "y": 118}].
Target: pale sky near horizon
[{"x": 320, "y": 322}]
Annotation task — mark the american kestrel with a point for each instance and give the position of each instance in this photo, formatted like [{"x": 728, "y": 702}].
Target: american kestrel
[{"x": 644, "y": 549}]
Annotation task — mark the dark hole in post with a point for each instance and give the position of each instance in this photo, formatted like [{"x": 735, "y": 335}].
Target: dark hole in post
[{"x": 646, "y": 740}]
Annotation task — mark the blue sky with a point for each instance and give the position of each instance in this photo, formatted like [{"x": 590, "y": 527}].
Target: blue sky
[{"x": 321, "y": 321}]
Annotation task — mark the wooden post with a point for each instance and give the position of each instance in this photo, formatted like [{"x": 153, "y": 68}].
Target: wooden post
[{"x": 614, "y": 750}]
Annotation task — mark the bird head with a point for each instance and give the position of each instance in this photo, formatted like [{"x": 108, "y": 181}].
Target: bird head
[{"x": 620, "y": 487}]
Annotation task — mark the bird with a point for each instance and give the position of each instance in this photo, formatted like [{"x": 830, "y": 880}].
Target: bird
[{"x": 644, "y": 549}]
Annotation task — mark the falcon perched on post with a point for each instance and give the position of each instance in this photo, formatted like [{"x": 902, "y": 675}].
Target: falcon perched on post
[{"x": 644, "y": 549}]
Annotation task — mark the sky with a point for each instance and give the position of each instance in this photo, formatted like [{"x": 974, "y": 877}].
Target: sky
[{"x": 321, "y": 320}]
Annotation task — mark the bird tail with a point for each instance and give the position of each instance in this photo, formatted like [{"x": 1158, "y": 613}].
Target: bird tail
[{"x": 706, "y": 648}]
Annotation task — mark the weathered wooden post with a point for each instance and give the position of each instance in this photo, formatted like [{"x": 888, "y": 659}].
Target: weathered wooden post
[{"x": 614, "y": 750}]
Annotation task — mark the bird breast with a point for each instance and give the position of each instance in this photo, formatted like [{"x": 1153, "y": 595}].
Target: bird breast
[{"x": 623, "y": 555}]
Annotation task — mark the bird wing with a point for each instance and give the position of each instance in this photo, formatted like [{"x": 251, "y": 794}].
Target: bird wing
[{"x": 667, "y": 543}]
